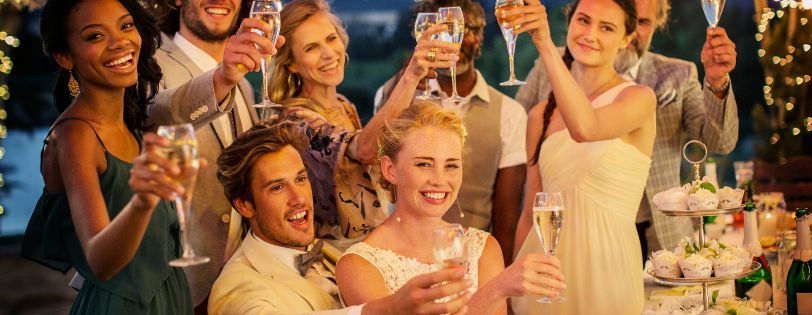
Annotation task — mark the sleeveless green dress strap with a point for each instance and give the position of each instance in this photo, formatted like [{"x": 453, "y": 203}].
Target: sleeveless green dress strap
[{"x": 146, "y": 285}]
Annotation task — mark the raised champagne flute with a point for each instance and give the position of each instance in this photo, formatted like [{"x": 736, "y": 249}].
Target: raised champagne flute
[
  {"x": 452, "y": 17},
  {"x": 268, "y": 12},
  {"x": 713, "y": 11},
  {"x": 424, "y": 21},
  {"x": 548, "y": 208},
  {"x": 507, "y": 32},
  {"x": 448, "y": 246},
  {"x": 183, "y": 152}
]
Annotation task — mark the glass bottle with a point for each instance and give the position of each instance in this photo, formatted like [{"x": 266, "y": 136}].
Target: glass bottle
[
  {"x": 758, "y": 285},
  {"x": 799, "y": 277}
]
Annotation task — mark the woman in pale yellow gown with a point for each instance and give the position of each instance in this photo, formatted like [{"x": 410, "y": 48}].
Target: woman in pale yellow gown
[{"x": 592, "y": 141}]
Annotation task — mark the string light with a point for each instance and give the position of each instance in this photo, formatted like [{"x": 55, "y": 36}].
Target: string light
[{"x": 784, "y": 76}]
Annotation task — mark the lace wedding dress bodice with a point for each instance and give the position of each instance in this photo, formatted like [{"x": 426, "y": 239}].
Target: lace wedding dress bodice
[{"x": 396, "y": 269}]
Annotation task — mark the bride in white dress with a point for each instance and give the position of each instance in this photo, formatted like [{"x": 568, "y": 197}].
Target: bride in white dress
[
  {"x": 593, "y": 141},
  {"x": 421, "y": 160}
]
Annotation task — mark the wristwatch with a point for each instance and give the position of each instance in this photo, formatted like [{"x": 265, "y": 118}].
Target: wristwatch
[{"x": 722, "y": 89}]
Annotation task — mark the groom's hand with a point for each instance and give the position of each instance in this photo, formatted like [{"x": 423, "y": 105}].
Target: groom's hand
[{"x": 419, "y": 294}]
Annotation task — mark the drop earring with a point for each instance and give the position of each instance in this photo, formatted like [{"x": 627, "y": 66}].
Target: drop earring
[
  {"x": 462, "y": 215},
  {"x": 73, "y": 85}
]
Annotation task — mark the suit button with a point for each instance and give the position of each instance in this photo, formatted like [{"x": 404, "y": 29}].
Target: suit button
[{"x": 225, "y": 218}]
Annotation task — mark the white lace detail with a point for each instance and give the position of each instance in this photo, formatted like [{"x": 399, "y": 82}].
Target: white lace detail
[{"x": 396, "y": 269}]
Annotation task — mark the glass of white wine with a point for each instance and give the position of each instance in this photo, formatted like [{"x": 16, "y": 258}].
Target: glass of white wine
[
  {"x": 548, "y": 210},
  {"x": 424, "y": 21},
  {"x": 713, "y": 11},
  {"x": 507, "y": 32},
  {"x": 448, "y": 246},
  {"x": 183, "y": 152},
  {"x": 452, "y": 17},
  {"x": 267, "y": 11}
]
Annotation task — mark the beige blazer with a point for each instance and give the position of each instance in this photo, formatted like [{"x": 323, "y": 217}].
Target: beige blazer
[
  {"x": 187, "y": 96},
  {"x": 256, "y": 282}
]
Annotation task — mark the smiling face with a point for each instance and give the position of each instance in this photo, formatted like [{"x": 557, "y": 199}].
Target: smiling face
[
  {"x": 646, "y": 24},
  {"x": 281, "y": 212},
  {"x": 597, "y": 32},
  {"x": 209, "y": 20},
  {"x": 104, "y": 45},
  {"x": 427, "y": 171},
  {"x": 318, "y": 52}
]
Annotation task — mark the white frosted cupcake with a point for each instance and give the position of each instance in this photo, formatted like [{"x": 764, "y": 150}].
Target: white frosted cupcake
[
  {"x": 702, "y": 199},
  {"x": 666, "y": 264},
  {"x": 743, "y": 255},
  {"x": 729, "y": 197},
  {"x": 672, "y": 199},
  {"x": 696, "y": 266},
  {"x": 727, "y": 264}
]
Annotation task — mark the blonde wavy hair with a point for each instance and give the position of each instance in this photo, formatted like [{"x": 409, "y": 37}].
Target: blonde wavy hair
[
  {"x": 418, "y": 115},
  {"x": 285, "y": 84}
]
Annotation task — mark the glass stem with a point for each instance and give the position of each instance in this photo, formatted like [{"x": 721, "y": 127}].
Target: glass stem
[
  {"x": 183, "y": 220},
  {"x": 427, "y": 90},
  {"x": 454, "y": 79},
  {"x": 264, "y": 64},
  {"x": 511, "y": 48}
]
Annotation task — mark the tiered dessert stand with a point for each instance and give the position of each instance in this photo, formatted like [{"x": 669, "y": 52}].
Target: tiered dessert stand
[{"x": 699, "y": 216}]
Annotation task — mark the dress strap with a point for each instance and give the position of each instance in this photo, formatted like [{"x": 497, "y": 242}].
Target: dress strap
[{"x": 45, "y": 142}]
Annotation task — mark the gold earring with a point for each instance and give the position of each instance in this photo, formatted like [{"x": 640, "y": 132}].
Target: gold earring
[
  {"x": 462, "y": 215},
  {"x": 73, "y": 85}
]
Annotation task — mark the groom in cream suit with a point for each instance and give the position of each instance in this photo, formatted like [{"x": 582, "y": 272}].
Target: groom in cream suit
[
  {"x": 203, "y": 84},
  {"x": 281, "y": 268},
  {"x": 686, "y": 109}
]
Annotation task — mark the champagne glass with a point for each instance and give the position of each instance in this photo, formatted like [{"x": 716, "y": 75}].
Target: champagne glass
[
  {"x": 448, "y": 246},
  {"x": 548, "y": 208},
  {"x": 713, "y": 10},
  {"x": 510, "y": 38},
  {"x": 424, "y": 21},
  {"x": 453, "y": 18},
  {"x": 268, "y": 12},
  {"x": 183, "y": 152}
]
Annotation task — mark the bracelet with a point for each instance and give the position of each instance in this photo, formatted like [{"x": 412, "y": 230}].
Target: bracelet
[{"x": 722, "y": 89}]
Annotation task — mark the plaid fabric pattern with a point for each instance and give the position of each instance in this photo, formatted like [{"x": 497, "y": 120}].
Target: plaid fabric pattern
[{"x": 685, "y": 110}]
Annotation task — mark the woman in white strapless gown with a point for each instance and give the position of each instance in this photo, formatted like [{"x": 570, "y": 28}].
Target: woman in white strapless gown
[{"x": 592, "y": 141}]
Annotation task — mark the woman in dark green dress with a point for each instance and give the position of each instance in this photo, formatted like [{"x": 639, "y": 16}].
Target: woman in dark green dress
[{"x": 103, "y": 209}]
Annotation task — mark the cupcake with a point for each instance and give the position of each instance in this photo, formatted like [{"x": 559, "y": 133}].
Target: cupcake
[
  {"x": 702, "y": 199},
  {"x": 666, "y": 264},
  {"x": 743, "y": 254},
  {"x": 727, "y": 264},
  {"x": 672, "y": 199},
  {"x": 696, "y": 266},
  {"x": 729, "y": 197},
  {"x": 685, "y": 248}
]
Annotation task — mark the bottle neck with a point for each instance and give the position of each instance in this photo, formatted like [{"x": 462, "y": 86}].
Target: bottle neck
[
  {"x": 751, "y": 242},
  {"x": 803, "y": 242}
]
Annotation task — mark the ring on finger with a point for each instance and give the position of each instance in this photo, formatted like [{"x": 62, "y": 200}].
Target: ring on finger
[
  {"x": 432, "y": 55},
  {"x": 153, "y": 167}
]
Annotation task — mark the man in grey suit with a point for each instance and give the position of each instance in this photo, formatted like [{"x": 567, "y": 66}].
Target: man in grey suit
[
  {"x": 204, "y": 57},
  {"x": 684, "y": 109}
]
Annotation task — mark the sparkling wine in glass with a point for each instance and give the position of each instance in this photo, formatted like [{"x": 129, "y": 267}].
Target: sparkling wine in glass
[
  {"x": 548, "y": 208},
  {"x": 507, "y": 32},
  {"x": 448, "y": 246},
  {"x": 183, "y": 152},
  {"x": 713, "y": 11},
  {"x": 452, "y": 17},
  {"x": 424, "y": 21},
  {"x": 268, "y": 12}
]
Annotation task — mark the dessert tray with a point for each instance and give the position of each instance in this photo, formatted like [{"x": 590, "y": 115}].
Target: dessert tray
[
  {"x": 754, "y": 266},
  {"x": 698, "y": 213}
]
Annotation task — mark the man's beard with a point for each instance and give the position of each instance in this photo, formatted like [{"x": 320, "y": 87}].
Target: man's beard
[
  {"x": 190, "y": 18},
  {"x": 467, "y": 55}
]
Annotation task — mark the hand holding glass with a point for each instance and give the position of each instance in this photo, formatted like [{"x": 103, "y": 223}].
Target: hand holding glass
[
  {"x": 183, "y": 151},
  {"x": 425, "y": 20},
  {"x": 548, "y": 208},
  {"x": 268, "y": 12},
  {"x": 448, "y": 246},
  {"x": 507, "y": 32}
]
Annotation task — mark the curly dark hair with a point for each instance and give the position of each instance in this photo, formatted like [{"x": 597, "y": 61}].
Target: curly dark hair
[{"x": 54, "y": 31}]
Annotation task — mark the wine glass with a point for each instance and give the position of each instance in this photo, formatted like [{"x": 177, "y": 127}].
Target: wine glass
[
  {"x": 713, "y": 10},
  {"x": 548, "y": 208},
  {"x": 453, "y": 18},
  {"x": 183, "y": 152},
  {"x": 448, "y": 246},
  {"x": 507, "y": 33},
  {"x": 268, "y": 12},
  {"x": 424, "y": 21}
]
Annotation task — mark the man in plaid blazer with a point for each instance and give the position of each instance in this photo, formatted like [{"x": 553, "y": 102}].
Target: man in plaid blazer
[{"x": 685, "y": 109}]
